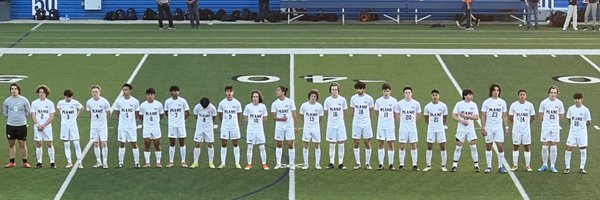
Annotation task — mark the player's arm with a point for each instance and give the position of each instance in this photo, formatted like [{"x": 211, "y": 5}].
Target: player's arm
[
  {"x": 50, "y": 119},
  {"x": 140, "y": 116},
  {"x": 295, "y": 117},
  {"x": 445, "y": 119},
  {"x": 27, "y": 109},
  {"x": 483, "y": 121},
  {"x": 460, "y": 118},
  {"x": 221, "y": 116},
  {"x": 588, "y": 123},
  {"x": 426, "y": 117},
  {"x": 239, "y": 115},
  {"x": 186, "y": 114},
  {"x": 5, "y": 109},
  {"x": 35, "y": 121}
]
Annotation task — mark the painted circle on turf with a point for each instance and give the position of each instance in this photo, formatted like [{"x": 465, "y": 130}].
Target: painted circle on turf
[
  {"x": 256, "y": 78},
  {"x": 577, "y": 79},
  {"x": 6, "y": 78}
]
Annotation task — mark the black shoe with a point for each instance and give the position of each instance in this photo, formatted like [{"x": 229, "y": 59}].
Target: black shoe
[
  {"x": 52, "y": 166},
  {"x": 380, "y": 167},
  {"x": 477, "y": 169},
  {"x": 330, "y": 166},
  {"x": 401, "y": 168},
  {"x": 342, "y": 167},
  {"x": 392, "y": 167},
  {"x": 415, "y": 168},
  {"x": 454, "y": 169},
  {"x": 38, "y": 166}
]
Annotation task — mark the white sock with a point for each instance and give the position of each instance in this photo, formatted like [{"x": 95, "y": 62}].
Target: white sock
[
  {"x": 236, "y": 154},
  {"x": 182, "y": 151},
  {"x": 545, "y": 155},
  {"x": 457, "y": 153},
  {"x": 158, "y": 155},
  {"x": 488, "y": 158},
  {"x": 68, "y": 152},
  {"x": 38, "y": 154},
  {"x": 196, "y": 154},
  {"x": 553, "y": 155},
  {"x": 147, "y": 156},
  {"x": 136, "y": 155},
  {"x": 474, "y": 154},
  {"x": 278, "y": 152},
  {"x": 516, "y": 158},
  {"x": 341, "y": 152},
  {"x": 223, "y": 155},
  {"x": 51, "y": 154},
  {"x": 171, "y": 154},
  {"x": 568, "y": 159},
  {"x": 367, "y": 156},
  {"x": 380, "y": 155},
  {"x": 77, "y": 150},
  {"x": 105, "y": 154},
  {"x": 97, "y": 154},
  {"x": 428, "y": 156},
  {"x": 401, "y": 156},
  {"x": 414, "y": 155},
  {"x": 527, "y": 158},
  {"x": 263, "y": 153},
  {"x": 444, "y": 157},
  {"x": 391, "y": 157},
  {"x": 211, "y": 154},
  {"x": 500, "y": 159},
  {"x": 305, "y": 155},
  {"x": 318, "y": 156},
  {"x": 249, "y": 153},
  {"x": 332, "y": 153},
  {"x": 583, "y": 158},
  {"x": 121, "y": 154},
  {"x": 292, "y": 156},
  {"x": 357, "y": 155}
]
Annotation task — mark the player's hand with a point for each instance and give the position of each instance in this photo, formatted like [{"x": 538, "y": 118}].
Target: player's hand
[
  {"x": 465, "y": 122},
  {"x": 484, "y": 132},
  {"x": 284, "y": 118},
  {"x": 40, "y": 128},
  {"x": 506, "y": 132},
  {"x": 297, "y": 129}
]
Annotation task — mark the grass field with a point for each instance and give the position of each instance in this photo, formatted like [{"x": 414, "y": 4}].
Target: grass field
[{"x": 201, "y": 75}]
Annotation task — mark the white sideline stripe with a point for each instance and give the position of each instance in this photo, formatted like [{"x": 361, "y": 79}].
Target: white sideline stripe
[
  {"x": 65, "y": 184},
  {"x": 292, "y": 174},
  {"x": 506, "y": 165},
  {"x": 37, "y": 26},
  {"x": 591, "y": 62},
  {"x": 301, "y": 51}
]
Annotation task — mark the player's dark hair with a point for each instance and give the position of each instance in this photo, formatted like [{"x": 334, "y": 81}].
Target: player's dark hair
[
  {"x": 127, "y": 85},
  {"x": 228, "y": 87},
  {"x": 44, "y": 88},
  {"x": 283, "y": 89},
  {"x": 260, "y": 96},
  {"x": 16, "y": 85},
  {"x": 522, "y": 90},
  {"x": 335, "y": 84},
  {"x": 68, "y": 93},
  {"x": 492, "y": 87},
  {"x": 150, "y": 91},
  {"x": 360, "y": 85},
  {"x": 466, "y": 92},
  {"x": 435, "y": 91},
  {"x": 173, "y": 88},
  {"x": 204, "y": 102},
  {"x": 407, "y": 88},
  {"x": 97, "y": 87},
  {"x": 313, "y": 91},
  {"x": 554, "y": 87},
  {"x": 386, "y": 86},
  {"x": 578, "y": 95}
]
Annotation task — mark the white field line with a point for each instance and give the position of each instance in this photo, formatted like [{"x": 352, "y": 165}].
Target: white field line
[{"x": 292, "y": 174}]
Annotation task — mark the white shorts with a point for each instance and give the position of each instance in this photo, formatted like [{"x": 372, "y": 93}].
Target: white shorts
[
  {"x": 230, "y": 134},
  {"x": 151, "y": 133},
  {"x": 521, "y": 138},
  {"x": 127, "y": 135},
  {"x": 577, "y": 140},
  {"x": 205, "y": 135},
  {"x": 362, "y": 132},
  {"x": 311, "y": 135},
  {"x": 436, "y": 136},
  {"x": 386, "y": 134},
  {"x": 494, "y": 136},
  {"x": 255, "y": 137},
  {"x": 45, "y": 135},
  {"x": 284, "y": 134},
  {"x": 99, "y": 134},
  {"x": 408, "y": 136},
  {"x": 177, "y": 132},
  {"x": 549, "y": 135},
  {"x": 336, "y": 134},
  {"x": 468, "y": 135},
  {"x": 69, "y": 132}
]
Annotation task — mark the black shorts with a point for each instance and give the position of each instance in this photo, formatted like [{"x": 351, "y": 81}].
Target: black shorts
[{"x": 16, "y": 132}]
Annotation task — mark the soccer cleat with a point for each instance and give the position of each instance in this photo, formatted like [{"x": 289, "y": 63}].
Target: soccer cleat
[
  {"x": 318, "y": 167},
  {"x": 147, "y": 165},
  {"x": 211, "y": 165},
  {"x": 69, "y": 165},
  {"x": 357, "y": 166},
  {"x": 342, "y": 167},
  {"x": 171, "y": 28},
  {"x": 79, "y": 165},
  {"x": 292, "y": 167},
  {"x": 554, "y": 170},
  {"x": 265, "y": 167},
  {"x": 184, "y": 165},
  {"x": 248, "y": 167},
  {"x": 444, "y": 169},
  {"x": 488, "y": 170},
  {"x": 38, "y": 165},
  {"x": 97, "y": 165},
  {"x": 105, "y": 166},
  {"x": 277, "y": 167},
  {"x": 161, "y": 28},
  {"x": 391, "y": 167},
  {"x": 194, "y": 165},
  {"x": 222, "y": 166},
  {"x": 543, "y": 168},
  {"x": 238, "y": 166},
  {"x": 26, "y": 165},
  {"x": 514, "y": 168},
  {"x": 170, "y": 165},
  {"x": 567, "y": 171},
  {"x": 330, "y": 166},
  {"x": 9, "y": 165},
  {"x": 52, "y": 166},
  {"x": 137, "y": 166},
  {"x": 368, "y": 166},
  {"x": 401, "y": 168},
  {"x": 158, "y": 165},
  {"x": 120, "y": 165},
  {"x": 477, "y": 169},
  {"x": 582, "y": 171},
  {"x": 415, "y": 168},
  {"x": 454, "y": 169},
  {"x": 528, "y": 168},
  {"x": 427, "y": 169},
  {"x": 305, "y": 166},
  {"x": 477, "y": 22},
  {"x": 502, "y": 170},
  {"x": 380, "y": 167}
]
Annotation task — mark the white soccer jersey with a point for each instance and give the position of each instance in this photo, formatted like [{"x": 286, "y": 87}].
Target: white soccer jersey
[
  {"x": 230, "y": 110},
  {"x": 68, "y": 111},
  {"x": 312, "y": 114},
  {"x": 282, "y": 108},
  {"x": 385, "y": 107},
  {"x": 466, "y": 108},
  {"x": 362, "y": 106},
  {"x": 551, "y": 111},
  {"x": 494, "y": 108},
  {"x": 175, "y": 109},
  {"x": 42, "y": 110},
  {"x": 436, "y": 113},
  {"x": 151, "y": 113},
  {"x": 335, "y": 108},
  {"x": 521, "y": 113},
  {"x": 127, "y": 109},
  {"x": 255, "y": 114},
  {"x": 408, "y": 113},
  {"x": 579, "y": 118},
  {"x": 205, "y": 116},
  {"x": 98, "y": 111}
]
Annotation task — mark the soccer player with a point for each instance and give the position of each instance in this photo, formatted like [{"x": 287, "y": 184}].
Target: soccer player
[
  {"x": 255, "y": 114},
  {"x": 177, "y": 111},
  {"x": 436, "y": 114},
  {"x": 409, "y": 111},
  {"x": 205, "y": 114},
  {"x": 69, "y": 109},
  {"x": 362, "y": 105},
  {"x": 465, "y": 112},
  {"x": 285, "y": 126},
  {"x": 16, "y": 110},
  {"x": 42, "y": 113},
  {"x": 100, "y": 111},
  {"x": 551, "y": 111},
  {"x": 230, "y": 111},
  {"x": 384, "y": 107},
  {"x": 521, "y": 114},
  {"x": 127, "y": 108},
  {"x": 312, "y": 113},
  {"x": 493, "y": 112},
  {"x": 151, "y": 112},
  {"x": 336, "y": 107},
  {"x": 580, "y": 118}
]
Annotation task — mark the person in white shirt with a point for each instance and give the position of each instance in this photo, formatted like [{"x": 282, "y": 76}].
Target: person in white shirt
[
  {"x": 285, "y": 127},
  {"x": 177, "y": 111},
  {"x": 551, "y": 112},
  {"x": 493, "y": 113},
  {"x": 384, "y": 109},
  {"x": 336, "y": 107},
  {"x": 100, "y": 112},
  {"x": 521, "y": 114},
  {"x": 127, "y": 108},
  {"x": 230, "y": 111},
  {"x": 362, "y": 105},
  {"x": 436, "y": 114},
  {"x": 409, "y": 112},
  {"x": 580, "y": 119},
  {"x": 42, "y": 113},
  {"x": 205, "y": 114},
  {"x": 151, "y": 112},
  {"x": 255, "y": 113},
  {"x": 312, "y": 113},
  {"x": 465, "y": 112},
  {"x": 69, "y": 109}
]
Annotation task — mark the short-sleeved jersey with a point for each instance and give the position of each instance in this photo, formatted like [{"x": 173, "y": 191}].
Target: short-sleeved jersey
[
  {"x": 98, "y": 109},
  {"x": 283, "y": 108},
  {"x": 335, "y": 108},
  {"x": 230, "y": 110},
  {"x": 68, "y": 111},
  {"x": 255, "y": 114},
  {"x": 551, "y": 111},
  {"x": 205, "y": 116},
  {"x": 579, "y": 118},
  {"x": 127, "y": 109},
  {"x": 521, "y": 113},
  {"x": 151, "y": 114},
  {"x": 385, "y": 107},
  {"x": 469, "y": 108},
  {"x": 43, "y": 110},
  {"x": 494, "y": 108},
  {"x": 312, "y": 113},
  {"x": 362, "y": 106},
  {"x": 176, "y": 109},
  {"x": 436, "y": 113},
  {"x": 408, "y": 114}
]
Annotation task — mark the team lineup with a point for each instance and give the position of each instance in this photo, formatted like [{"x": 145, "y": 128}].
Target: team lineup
[{"x": 495, "y": 116}]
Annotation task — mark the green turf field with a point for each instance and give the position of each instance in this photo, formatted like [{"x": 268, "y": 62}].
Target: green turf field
[{"x": 201, "y": 75}]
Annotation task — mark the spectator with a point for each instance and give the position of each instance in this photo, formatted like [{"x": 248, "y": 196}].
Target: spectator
[
  {"x": 532, "y": 8},
  {"x": 193, "y": 11},
  {"x": 263, "y": 10},
  {"x": 164, "y": 7},
  {"x": 592, "y": 5},
  {"x": 571, "y": 14}
]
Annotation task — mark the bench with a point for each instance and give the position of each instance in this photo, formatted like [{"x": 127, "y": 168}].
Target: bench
[
  {"x": 345, "y": 7},
  {"x": 424, "y": 9}
]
